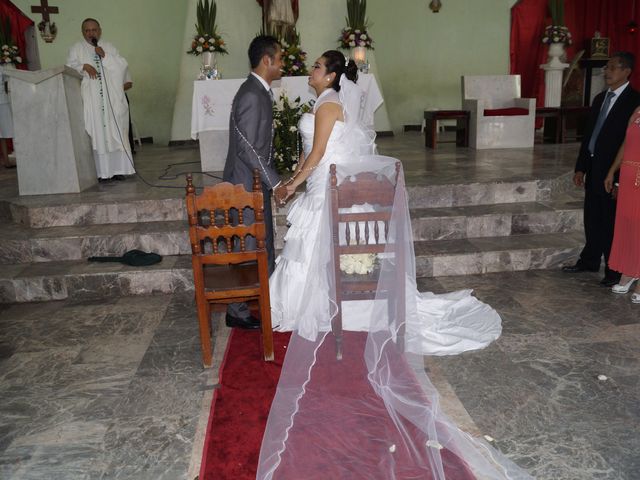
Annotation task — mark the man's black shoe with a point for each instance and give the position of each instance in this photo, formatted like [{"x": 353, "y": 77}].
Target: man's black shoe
[
  {"x": 609, "y": 281},
  {"x": 577, "y": 268},
  {"x": 118, "y": 178},
  {"x": 249, "y": 323}
]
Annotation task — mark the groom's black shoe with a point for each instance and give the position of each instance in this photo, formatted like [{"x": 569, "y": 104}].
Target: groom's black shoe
[
  {"x": 249, "y": 323},
  {"x": 577, "y": 268},
  {"x": 610, "y": 279}
]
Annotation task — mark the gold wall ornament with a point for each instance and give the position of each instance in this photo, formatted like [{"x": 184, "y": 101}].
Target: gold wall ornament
[{"x": 435, "y": 6}]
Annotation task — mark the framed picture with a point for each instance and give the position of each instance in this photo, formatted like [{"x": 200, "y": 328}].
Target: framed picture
[{"x": 599, "y": 47}]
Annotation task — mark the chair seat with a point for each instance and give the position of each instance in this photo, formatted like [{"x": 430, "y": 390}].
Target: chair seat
[
  {"x": 230, "y": 277},
  {"x": 505, "y": 112}
]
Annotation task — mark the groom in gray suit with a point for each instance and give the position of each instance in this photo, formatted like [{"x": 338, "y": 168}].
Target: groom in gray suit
[{"x": 251, "y": 147}]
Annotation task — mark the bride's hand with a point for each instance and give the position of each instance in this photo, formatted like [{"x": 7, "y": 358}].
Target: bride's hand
[{"x": 291, "y": 190}]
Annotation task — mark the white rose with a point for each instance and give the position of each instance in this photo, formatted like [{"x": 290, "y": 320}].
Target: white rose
[
  {"x": 295, "y": 67},
  {"x": 5, "y": 47},
  {"x": 363, "y": 37},
  {"x": 357, "y": 31},
  {"x": 292, "y": 57},
  {"x": 352, "y": 36},
  {"x": 199, "y": 49},
  {"x": 201, "y": 39},
  {"x": 18, "y": 59},
  {"x": 293, "y": 128},
  {"x": 211, "y": 48},
  {"x": 294, "y": 166},
  {"x": 352, "y": 44}
]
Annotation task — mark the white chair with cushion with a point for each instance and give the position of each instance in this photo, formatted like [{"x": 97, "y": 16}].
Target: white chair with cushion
[{"x": 499, "y": 118}]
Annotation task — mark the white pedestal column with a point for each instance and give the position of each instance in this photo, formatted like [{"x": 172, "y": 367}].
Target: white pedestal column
[
  {"x": 53, "y": 149},
  {"x": 553, "y": 75}
]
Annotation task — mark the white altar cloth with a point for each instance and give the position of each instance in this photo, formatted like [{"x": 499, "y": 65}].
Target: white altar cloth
[{"x": 211, "y": 107}]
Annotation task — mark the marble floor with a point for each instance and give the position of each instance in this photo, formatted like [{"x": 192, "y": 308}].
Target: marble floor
[{"x": 113, "y": 388}]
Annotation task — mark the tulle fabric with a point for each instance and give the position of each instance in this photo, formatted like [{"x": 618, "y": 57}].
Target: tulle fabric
[{"x": 374, "y": 414}]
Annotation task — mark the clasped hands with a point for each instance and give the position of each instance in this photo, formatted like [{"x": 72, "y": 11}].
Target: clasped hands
[{"x": 282, "y": 193}]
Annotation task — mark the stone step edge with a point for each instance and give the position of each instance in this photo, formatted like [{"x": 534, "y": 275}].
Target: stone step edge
[
  {"x": 171, "y": 238},
  {"x": 146, "y": 210},
  {"x": 129, "y": 281}
]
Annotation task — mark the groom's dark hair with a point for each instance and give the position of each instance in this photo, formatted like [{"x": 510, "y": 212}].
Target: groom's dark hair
[{"x": 260, "y": 46}]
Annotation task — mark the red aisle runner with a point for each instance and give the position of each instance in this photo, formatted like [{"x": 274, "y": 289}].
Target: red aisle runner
[{"x": 241, "y": 407}]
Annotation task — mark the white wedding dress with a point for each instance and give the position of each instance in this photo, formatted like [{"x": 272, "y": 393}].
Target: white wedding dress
[
  {"x": 373, "y": 413},
  {"x": 436, "y": 324}
]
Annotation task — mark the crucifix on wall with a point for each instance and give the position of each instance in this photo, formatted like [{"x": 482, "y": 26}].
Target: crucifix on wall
[{"x": 47, "y": 29}]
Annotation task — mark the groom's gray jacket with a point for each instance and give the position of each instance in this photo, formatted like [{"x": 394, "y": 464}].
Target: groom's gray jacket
[
  {"x": 251, "y": 137},
  {"x": 251, "y": 147}
]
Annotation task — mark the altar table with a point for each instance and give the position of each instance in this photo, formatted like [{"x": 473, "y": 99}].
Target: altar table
[{"x": 211, "y": 108}]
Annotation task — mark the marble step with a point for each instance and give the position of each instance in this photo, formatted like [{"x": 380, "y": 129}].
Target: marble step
[
  {"x": 448, "y": 223},
  {"x": 79, "y": 279},
  {"x": 20, "y": 244},
  {"x": 436, "y": 258},
  {"x": 103, "y": 208}
]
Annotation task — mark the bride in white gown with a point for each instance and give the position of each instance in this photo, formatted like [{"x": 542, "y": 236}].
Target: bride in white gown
[
  {"x": 436, "y": 324},
  {"x": 373, "y": 413}
]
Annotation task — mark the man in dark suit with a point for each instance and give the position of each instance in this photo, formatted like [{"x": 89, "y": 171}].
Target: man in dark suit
[
  {"x": 251, "y": 147},
  {"x": 605, "y": 133}
]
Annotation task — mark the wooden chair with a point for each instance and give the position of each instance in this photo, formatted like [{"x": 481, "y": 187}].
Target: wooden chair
[
  {"x": 366, "y": 232},
  {"x": 224, "y": 274}
]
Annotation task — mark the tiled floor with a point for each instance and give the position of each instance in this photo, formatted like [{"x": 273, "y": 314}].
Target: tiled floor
[{"x": 114, "y": 388}]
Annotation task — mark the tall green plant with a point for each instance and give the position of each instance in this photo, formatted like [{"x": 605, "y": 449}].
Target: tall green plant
[
  {"x": 556, "y": 8},
  {"x": 357, "y": 14},
  {"x": 206, "y": 17}
]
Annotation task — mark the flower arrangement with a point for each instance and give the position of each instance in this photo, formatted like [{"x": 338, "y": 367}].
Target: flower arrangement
[
  {"x": 9, "y": 53},
  {"x": 358, "y": 263},
  {"x": 286, "y": 137},
  {"x": 293, "y": 57},
  {"x": 206, "y": 38},
  {"x": 557, "y": 34},
  {"x": 355, "y": 34}
]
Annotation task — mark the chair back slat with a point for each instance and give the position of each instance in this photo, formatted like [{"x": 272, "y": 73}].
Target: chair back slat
[{"x": 216, "y": 218}]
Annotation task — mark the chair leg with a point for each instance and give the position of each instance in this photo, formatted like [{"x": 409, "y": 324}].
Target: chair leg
[
  {"x": 267, "y": 331},
  {"x": 336, "y": 328},
  {"x": 204, "y": 319}
]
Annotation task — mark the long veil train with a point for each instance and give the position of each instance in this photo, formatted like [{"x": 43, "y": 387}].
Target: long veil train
[{"x": 374, "y": 414}]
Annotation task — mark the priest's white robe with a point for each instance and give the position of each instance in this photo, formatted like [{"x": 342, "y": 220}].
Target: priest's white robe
[{"x": 106, "y": 111}]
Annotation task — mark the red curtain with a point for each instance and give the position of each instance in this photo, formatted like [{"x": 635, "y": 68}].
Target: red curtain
[
  {"x": 19, "y": 24},
  {"x": 583, "y": 18}
]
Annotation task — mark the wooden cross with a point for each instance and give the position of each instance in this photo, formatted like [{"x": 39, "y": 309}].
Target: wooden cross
[{"x": 44, "y": 9}]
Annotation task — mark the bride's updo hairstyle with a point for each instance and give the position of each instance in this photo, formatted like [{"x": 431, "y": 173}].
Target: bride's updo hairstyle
[{"x": 336, "y": 63}]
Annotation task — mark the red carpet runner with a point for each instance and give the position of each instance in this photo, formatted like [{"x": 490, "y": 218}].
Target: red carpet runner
[{"x": 241, "y": 407}]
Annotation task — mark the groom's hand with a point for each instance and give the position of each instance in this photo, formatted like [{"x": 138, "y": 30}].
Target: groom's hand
[{"x": 279, "y": 194}]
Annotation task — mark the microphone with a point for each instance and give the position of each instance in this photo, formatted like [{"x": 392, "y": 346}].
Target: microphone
[{"x": 94, "y": 42}]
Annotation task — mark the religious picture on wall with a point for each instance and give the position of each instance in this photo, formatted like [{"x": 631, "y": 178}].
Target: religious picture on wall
[{"x": 599, "y": 46}]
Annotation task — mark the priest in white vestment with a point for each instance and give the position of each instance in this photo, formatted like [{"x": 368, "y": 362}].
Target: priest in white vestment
[{"x": 106, "y": 112}]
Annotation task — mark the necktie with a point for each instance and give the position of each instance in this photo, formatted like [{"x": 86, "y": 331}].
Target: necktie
[{"x": 600, "y": 121}]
